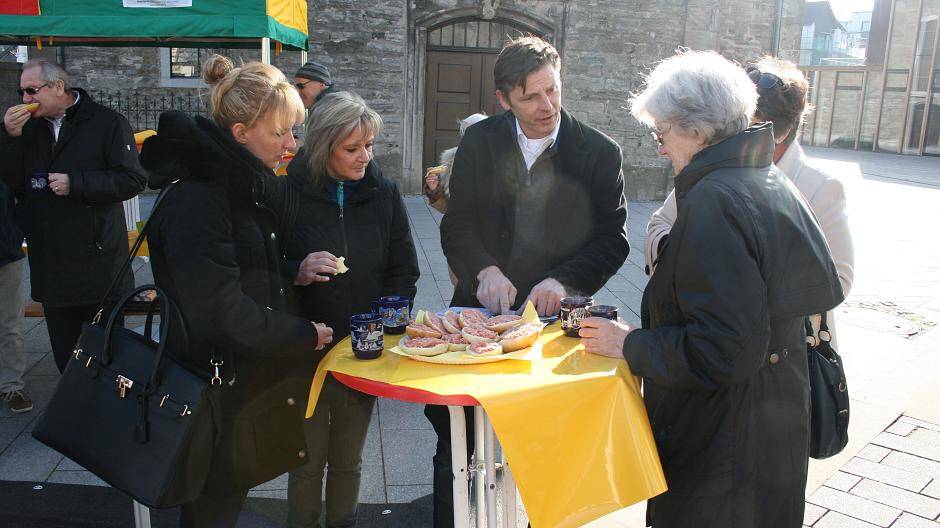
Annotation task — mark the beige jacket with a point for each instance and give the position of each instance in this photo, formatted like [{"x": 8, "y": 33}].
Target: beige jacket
[{"x": 826, "y": 198}]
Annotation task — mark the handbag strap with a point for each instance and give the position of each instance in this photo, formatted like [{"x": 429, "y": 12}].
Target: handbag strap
[
  {"x": 824, "y": 334},
  {"x": 131, "y": 254}
]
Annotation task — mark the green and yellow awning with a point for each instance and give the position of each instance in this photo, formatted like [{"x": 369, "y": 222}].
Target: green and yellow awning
[{"x": 176, "y": 23}]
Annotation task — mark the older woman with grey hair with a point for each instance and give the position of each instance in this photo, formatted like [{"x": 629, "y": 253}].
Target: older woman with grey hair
[
  {"x": 721, "y": 349},
  {"x": 341, "y": 206}
]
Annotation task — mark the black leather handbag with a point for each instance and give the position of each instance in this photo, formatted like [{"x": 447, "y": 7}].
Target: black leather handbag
[
  {"x": 127, "y": 411},
  {"x": 829, "y": 398}
]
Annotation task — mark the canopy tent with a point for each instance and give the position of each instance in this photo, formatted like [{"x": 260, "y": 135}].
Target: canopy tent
[{"x": 167, "y": 23}]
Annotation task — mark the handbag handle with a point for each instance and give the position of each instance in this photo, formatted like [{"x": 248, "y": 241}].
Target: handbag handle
[{"x": 165, "y": 310}]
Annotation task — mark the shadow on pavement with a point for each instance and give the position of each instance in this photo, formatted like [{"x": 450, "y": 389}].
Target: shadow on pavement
[{"x": 77, "y": 506}]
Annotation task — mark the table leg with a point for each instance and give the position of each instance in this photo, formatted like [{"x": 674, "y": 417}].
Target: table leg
[
  {"x": 510, "y": 513},
  {"x": 489, "y": 472},
  {"x": 141, "y": 516},
  {"x": 479, "y": 443},
  {"x": 458, "y": 461}
]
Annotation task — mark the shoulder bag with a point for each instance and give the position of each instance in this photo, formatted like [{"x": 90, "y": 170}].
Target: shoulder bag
[
  {"x": 127, "y": 411},
  {"x": 829, "y": 396}
]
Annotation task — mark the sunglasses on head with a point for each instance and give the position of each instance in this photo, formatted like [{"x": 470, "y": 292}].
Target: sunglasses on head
[
  {"x": 764, "y": 80},
  {"x": 31, "y": 90}
]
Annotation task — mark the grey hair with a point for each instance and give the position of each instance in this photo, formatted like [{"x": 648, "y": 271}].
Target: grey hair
[
  {"x": 470, "y": 120},
  {"x": 332, "y": 120},
  {"x": 701, "y": 92},
  {"x": 51, "y": 72}
]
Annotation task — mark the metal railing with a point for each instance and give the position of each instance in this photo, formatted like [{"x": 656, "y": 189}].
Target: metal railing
[{"x": 143, "y": 109}]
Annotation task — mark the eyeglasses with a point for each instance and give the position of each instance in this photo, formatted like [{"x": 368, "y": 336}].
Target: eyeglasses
[
  {"x": 31, "y": 90},
  {"x": 300, "y": 85},
  {"x": 658, "y": 136},
  {"x": 764, "y": 80}
]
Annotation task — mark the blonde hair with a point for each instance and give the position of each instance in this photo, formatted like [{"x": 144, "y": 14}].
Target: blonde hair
[
  {"x": 332, "y": 120},
  {"x": 250, "y": 92},
  {"x": 701, "y": 92}
]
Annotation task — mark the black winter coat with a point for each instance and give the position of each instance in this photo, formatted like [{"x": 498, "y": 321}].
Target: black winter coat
[
  {"x": 371, "y": 231},
  {"x": 214, "y": 250},
  {"x": 77, "y": 242},
  {"x": 722, "y": 350},
  {"x": 586, "y": 216},
  {"x": 11, "y": 236}
]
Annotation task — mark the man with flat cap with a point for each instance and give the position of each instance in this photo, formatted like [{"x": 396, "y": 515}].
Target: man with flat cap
[{"x": 313, "y": 81}]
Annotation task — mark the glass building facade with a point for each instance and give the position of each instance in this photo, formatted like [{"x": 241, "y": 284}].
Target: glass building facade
[{"x": 891, "y": 104}]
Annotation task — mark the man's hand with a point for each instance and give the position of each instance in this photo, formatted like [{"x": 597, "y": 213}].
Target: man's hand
[
  {"x": 316, "y": 267},
  {"x": 59, "y": 183},
  {"x": 546, "y": 296},
  {"x": 324, "y": 334},
  {"x": 14, "y": 119},
  {"x": 495, "y": 291},
  {"x": 604, "y": 337}
]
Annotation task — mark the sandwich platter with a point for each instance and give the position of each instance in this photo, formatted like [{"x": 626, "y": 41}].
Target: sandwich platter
[{"x": 470, "y": 336}]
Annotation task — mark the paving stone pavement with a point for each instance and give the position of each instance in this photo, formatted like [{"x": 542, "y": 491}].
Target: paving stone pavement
[{"x": 888, "y": 476}]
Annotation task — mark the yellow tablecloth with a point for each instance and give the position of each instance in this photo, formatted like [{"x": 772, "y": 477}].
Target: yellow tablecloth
[{"x": 572, "y": 424}]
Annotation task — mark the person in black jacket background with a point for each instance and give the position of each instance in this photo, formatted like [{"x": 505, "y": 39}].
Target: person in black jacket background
[
  {"x": 73, "y": 162},
  {"x": 346, "y": 209},
  {"x": 13, "y": 289},
  {"x": 722, "y": 349},
  {"x": 214, "y": 249}
]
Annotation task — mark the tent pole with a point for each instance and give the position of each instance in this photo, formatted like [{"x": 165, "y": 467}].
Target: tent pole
[{"x": 266, "y": 50}]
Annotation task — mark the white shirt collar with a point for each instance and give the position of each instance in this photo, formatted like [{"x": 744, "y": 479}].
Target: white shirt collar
[
  {"x": 57, "y": 121},
  {"x": 792, "y": 160},
  {"x": 533, "y": 148}
]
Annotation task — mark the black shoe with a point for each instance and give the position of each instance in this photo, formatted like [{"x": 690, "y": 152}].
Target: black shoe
[{"x": 18, "y": 401}]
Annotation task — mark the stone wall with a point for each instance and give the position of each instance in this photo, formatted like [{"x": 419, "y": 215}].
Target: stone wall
[
  {"x": 609, "y": 44},
  {"x": 375, "y": 49},
  {"x": 363, "y": 45}
]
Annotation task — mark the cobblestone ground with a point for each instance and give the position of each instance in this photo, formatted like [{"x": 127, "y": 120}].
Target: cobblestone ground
[{"x": 888, "y": 476}]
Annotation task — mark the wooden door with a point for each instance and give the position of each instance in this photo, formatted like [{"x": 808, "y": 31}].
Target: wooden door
[
  {"x": 490, "y": 102},
  {"x": 458, "y": 84}
]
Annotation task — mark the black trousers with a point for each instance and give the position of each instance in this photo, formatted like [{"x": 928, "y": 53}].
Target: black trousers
[
  {"x": 443, "y": 473},
  {"x": 213, "y": 512},
  {"x": 65, "y": 326}
]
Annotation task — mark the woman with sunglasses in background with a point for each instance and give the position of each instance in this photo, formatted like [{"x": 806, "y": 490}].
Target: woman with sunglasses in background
[{"x": 782, "y": 91}]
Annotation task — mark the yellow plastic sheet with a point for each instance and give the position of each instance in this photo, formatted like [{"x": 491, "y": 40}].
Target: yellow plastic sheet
[{"x": 572, "y": 424}]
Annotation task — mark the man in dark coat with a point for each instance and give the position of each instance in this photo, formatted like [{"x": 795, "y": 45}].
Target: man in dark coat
[
  {"x": 12, "y": 292},
  {"x": 74, "y": 161},
  {"x": 313, "y": 81},
  {"x": 536, "y": 210}
]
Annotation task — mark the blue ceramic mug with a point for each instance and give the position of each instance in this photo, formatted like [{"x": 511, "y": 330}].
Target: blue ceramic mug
[
  {"x": 396, "y": 313},
  {"x": 366, "y": 334}
]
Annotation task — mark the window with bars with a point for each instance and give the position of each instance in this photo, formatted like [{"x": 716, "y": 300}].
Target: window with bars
[
  {"x": 186, "y": 63},
  {"x": 473, "y": 34}
]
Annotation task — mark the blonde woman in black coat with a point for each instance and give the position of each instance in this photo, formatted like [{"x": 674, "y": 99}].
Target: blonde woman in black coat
[{"x": 215, "y": 251}]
